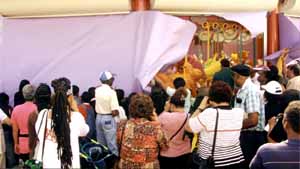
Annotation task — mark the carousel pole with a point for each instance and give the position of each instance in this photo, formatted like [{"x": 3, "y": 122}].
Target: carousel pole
[
  {"x": 140, "y": 5},
  {"x": 241, "y": 47},
  {"x": 208, "y": 40},
  {"x": 272, "y": 32},
  {"x": 254, "y": 51}
]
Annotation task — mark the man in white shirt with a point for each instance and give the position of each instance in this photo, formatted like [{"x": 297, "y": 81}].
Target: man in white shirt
[
  {"x": 3, "y": 120},
  {"x": 178, "y": 82},
  {"x": 293, "y": 74},
  {"x": 106, "y": 108}
]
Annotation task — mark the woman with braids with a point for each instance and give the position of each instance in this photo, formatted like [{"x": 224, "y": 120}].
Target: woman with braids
[
  {"x": 140, "y": 137},
  {"x": 63, "y": 127}
]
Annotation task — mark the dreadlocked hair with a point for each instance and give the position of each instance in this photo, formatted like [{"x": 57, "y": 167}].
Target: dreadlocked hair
[{"x": 60, "y": 123}]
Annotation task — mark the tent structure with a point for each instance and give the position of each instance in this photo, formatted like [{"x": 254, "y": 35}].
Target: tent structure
[
  {"x": 50, "y": 8},
  {"x": 36, "y": 37}
]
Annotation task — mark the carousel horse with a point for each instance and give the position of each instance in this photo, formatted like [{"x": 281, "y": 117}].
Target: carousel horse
[{"x": 185, "y": 70}]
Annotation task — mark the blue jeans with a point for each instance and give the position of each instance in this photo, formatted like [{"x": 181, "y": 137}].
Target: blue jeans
[{"x": 106, "y": 128}]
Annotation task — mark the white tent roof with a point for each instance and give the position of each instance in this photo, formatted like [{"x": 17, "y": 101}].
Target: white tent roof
[{"x": 49, "y": 8}]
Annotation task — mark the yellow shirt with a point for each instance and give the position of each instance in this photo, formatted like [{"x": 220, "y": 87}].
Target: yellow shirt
[{"x": 106, "y": 100}]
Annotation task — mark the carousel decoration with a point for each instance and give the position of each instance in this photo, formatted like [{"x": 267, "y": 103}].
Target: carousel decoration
[{"x": 213, "y": 34}]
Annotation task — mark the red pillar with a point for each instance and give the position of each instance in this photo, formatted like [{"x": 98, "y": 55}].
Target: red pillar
[
  {"x": 140, "y": 5},
  {"x": 272, "y": 32}
]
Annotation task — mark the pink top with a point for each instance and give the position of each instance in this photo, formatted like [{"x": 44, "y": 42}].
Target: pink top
[
  {"x": 20, "y": 117},
  {"x": 170, "y": 123}
]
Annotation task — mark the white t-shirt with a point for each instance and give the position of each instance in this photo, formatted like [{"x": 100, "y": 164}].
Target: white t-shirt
[
  {"x": 227, "y": 140},
  {"x": 106, "y": 100},
  {"x": 2, "y": 141},
  {"x": 78, "y": 128},
  {"x": 121, "y": 116},
  {"x": 187, "y": 102}
]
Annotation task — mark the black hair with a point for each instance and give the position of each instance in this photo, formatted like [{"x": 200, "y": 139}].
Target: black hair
[
  {"x": 86, "y": 97},
  {"x": 295, "y": 69},
  {"x": 4, "y": 98},
  {"x": 159, "y": 98},
  {"x": 43, "y": 97},
  {"x": 75, "y": 90},
  {"x": 272, "y": 97},
  {"x": 127, "y": 102},
  {"x": 288, "y": 96},
  {"x": 220, "y": 92},
  {"x": 120, "y": 94},
  {"x": 60, "y": 121},
  {"x": 4, "y": 103},
  {"x": 178, "y": 98},
  {"x": 23, "y": 83},
  {"x": 225, "y": 63},
  {"x": 272, "y": 74},
  {"x": 179, "y": 82},
  {"x": 91, "y": 91}
]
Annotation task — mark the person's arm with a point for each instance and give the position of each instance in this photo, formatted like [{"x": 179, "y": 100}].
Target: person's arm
[
  {"x": 6, "y": 121},
  {"x": 271, "y": 123},
  {"x": 33, "y": 137},
  {"x": 154, "y": 117},
  {"x": 160, "y": 82},
  {"x": 197, "y": 123},
  {"x": 252, "y": 109},
  {"x": 15, "y": 136},
  {"x": 161, "y": 138},
  {"x": 251, "y": 121},
  {"x": 114, "y": 105},
  {"x": 257, "y": 161}
]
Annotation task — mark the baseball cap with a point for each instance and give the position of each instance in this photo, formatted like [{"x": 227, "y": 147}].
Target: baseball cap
[
  {"x": 261, "y": 68},
  {"x": 28, "y": 92},
  {"x": 106, "y": 75},
  {"x": 241, "y": 69},
  {"x": 273, "y": 87}
]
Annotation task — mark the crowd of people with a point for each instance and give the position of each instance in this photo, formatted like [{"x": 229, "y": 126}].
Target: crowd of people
[{"x": 246, "y": 118}]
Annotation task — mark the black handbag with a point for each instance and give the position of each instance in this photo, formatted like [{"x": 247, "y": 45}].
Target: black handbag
[{"x": 208, "y": 163}]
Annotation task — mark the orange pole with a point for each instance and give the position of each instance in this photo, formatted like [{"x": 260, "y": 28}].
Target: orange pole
[
  {"x": 272, "y": 32},
  {"x": 140, "y": 5}
]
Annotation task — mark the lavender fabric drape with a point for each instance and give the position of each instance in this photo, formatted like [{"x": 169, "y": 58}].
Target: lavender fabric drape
[
  {"x": 289, "y": 35},
  {"x": 133, "y": 46}
]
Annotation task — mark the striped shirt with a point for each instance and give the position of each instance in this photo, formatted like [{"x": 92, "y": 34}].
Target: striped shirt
[
  {"x": 284, "y": 155},
  {"x": 227, "y": 149},
  {"x": 251, "y": 101}
]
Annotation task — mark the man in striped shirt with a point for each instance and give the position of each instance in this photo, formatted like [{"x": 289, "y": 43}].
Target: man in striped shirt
[
  {"x": 285, "y": 154},
  {"x": 249, "y": 99}
]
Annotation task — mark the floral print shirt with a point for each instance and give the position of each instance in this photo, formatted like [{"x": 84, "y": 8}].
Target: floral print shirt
[{"x": 140, "y": 140}]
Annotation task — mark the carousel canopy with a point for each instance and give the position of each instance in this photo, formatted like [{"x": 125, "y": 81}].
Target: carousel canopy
[
  {"x": 195, "y": 7},
  {"x": 48, "y": 8},
  {"x": 290, "y": 7}
]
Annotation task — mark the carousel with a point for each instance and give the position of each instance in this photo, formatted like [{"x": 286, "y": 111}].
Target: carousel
[{"x": 215, "y": 39}]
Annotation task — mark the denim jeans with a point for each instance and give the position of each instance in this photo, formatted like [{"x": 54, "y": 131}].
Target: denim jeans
[{"x": 106, "y": 127}]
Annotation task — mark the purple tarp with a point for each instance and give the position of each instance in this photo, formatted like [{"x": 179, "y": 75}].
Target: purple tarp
[
  {"x": 289, "y": 35},
  {"x": 133, "y": 46}
]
